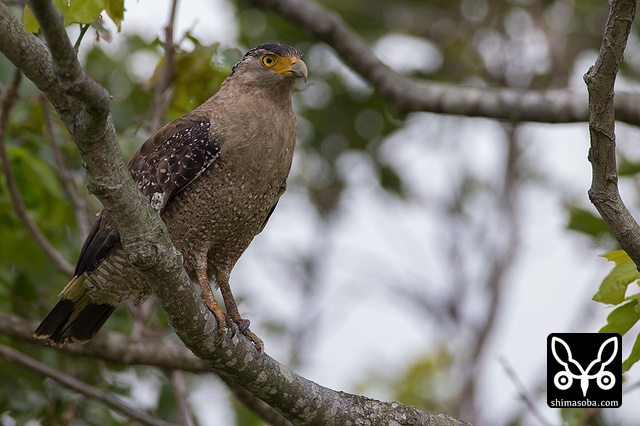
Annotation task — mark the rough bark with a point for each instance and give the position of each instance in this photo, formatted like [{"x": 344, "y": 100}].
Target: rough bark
[{"x": 600, "y": 79}]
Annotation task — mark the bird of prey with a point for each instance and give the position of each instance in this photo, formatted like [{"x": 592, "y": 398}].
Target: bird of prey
[{"x": 215, "y": 176}]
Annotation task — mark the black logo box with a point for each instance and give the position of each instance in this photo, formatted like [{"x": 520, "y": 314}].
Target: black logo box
[{"x": 584, "y": 370}]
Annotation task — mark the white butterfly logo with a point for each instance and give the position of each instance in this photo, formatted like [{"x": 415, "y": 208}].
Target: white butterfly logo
[{"x": 564, "y": 379}]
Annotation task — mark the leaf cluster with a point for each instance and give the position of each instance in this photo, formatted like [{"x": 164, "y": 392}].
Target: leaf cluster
[{"x": 626, "y": 310}]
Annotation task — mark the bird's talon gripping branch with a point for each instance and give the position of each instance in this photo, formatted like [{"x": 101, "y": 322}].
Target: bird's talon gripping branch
[{"x": 243, "y": 324}]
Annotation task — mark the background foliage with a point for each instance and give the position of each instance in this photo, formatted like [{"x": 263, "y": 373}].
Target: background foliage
[{"x": 429, "y": 219}]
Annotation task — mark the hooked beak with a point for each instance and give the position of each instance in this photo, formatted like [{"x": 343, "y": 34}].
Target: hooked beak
[{"x": 299, "y": 70}]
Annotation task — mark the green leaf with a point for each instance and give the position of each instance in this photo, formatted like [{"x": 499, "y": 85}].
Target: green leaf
[
  {"x": 627, "y": 167},
  {"x": 574, "y": 416},
  {"x": 83, "y": 11},
  {"x": 31, "y": 24},
  {"x": 622, "y": 318},
  {"x": 614, "y": 285},
  {"x": 78, "y": 11},
  {"x": 617, "y": 256},
  {"x": 390, "y": 179},
  {"x": 586, "y": 222},
  {"x": 634, "y": 356},
  {"x": 115, "y": 9}
]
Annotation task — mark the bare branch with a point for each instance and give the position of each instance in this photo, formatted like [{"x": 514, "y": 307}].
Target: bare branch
[
  {"x": 79, "y": 204},
  {"x": 159, "y": 101},
  {"x": 180, "y": 390},
  {"x": 600, "y": 80},
  {"x": 406, "y": 94},
  {"x": 66, "y": 66},
  {"x": 18, "y": 358},
  {"x": 522, "y": 392},
  {"x": 8, "y": 98},
  {"x": 114, "y": 347}
]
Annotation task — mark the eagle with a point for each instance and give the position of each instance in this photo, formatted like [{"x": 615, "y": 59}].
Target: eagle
[{"x": 214, "y": 176}]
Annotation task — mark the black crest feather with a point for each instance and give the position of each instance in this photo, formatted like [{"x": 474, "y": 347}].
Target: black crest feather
[{"x": 277, "y": 48}]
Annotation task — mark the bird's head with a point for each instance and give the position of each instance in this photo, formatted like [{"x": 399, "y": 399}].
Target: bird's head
[{"x": 271, "y": 64}]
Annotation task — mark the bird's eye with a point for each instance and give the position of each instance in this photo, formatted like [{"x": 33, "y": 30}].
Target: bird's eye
[{"x": 268, "y": 60}]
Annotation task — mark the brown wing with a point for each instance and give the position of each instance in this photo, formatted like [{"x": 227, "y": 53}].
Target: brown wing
[
  {"x": 163, "y": 166},
  {"x": 172, "y": 158}
]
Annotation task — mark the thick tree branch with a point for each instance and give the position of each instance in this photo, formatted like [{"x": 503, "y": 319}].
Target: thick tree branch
[
  {"x": 263, "y": 410},
  {"x": 18, "y": 358},
  {"x": 84, "y": 107},
  {"x": 8, "y": 98},
  {"x": 149, "y": 248},
  {"x": 406, "y": 94},
  {"x": 600, "y": 80}
]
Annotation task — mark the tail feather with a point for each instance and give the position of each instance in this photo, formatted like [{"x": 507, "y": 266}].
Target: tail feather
[{"x": 76, "y": 318}]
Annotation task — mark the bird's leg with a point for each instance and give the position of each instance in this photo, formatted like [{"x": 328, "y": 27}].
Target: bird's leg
[
  {"x": 207, "y": 294},
  {"x": 222, "y": 279}
]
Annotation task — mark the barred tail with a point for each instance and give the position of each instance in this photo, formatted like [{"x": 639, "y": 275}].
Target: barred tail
[{"x": 76, "y": 318}]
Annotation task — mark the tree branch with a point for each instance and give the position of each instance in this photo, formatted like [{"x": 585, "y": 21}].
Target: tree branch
[
  {"x": 114, "y": 347},
  {"x": 18, "y": 358},
  {"x": 600, "y": 80},
  {"x": 406, "y": 94},
  {"x": 176, "y": 378},
  {"x": 8, "y": 98},
  {"x": 263, "y": 410},
  {"x": 523, "y": 395},
  {"x": 148, "y": 247},
  {"x": 159, "y": 100}
]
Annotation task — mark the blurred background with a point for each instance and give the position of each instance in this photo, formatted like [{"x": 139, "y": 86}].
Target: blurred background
[{"x": 421, "y": 258}]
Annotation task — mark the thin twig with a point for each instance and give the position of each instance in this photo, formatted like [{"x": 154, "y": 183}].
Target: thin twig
[
  {"x": 8, "y": 99},
  {"x": 79, "y": 204},
  {"x": 499, "y": 263},
  {"x": 18, "y": 358},
  {"x": 176, "y": 378},
  {"x": 83, "y": 31},
  {"x": 522, "y": 391},
  {"x": 159, "y": 100}
]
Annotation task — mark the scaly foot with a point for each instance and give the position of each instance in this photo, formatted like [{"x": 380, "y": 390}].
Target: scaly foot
[{"x": 243, "y": 327}]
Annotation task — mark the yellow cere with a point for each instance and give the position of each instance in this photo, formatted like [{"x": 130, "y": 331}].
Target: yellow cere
[{"x": 279, "y": 64}]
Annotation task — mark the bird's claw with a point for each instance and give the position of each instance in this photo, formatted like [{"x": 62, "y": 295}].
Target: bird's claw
[
  {"x": 241, "y": 323},
  {"x": 226, "y": 321},
  {"x": 243, "y": 327},
  {"x": 257, "y": 342}
]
